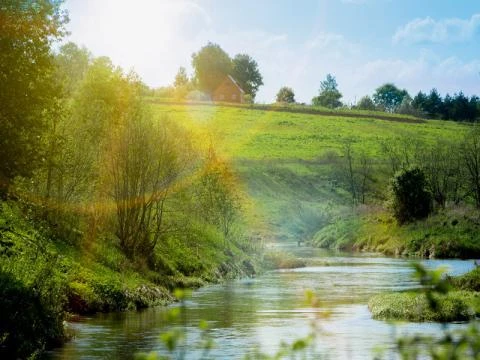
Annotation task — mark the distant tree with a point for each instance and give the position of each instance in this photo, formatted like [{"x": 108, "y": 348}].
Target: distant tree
[
  {"x": 411, "y": 199},
  {"x": 441, "y": 164},
  {"x": 211, "y": 65},
  {"x": 365, "y": 103},
  {"x": 406, "y": 107},
  {"x": 470, "y": 152},
  {"x": 285, "y": 95},
  {"x": 447, "y": 108},
  {"x": 420, "y": 101},
  {"x": 389, "y": 97},
  {"x": 245, "y": 72},
  {"x": 27, "y": 85},
  {"x": 218, "y": 196},
  {"x": 433, "y": 104},
  {"x": 181, "y": 79},
  {"x": 182, "y": 84},
  {"x": 72, "y": 63},
  {"x": 329, "y": 95}
]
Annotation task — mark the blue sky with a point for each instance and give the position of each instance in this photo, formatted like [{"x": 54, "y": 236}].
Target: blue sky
[{"x": 364, "y": 43}]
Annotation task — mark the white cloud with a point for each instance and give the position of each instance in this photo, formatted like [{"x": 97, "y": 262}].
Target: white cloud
[{"x": 428, "y": 30}]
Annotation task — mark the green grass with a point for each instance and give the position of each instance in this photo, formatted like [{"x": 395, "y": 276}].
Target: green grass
[
  {"x": 287, "y": 161},
  {"x": 48, "y": 278},
  {"x": 414, "y": 306},
  {"x": 461, "y": 302},
  {"x": 452, "y": 233}
]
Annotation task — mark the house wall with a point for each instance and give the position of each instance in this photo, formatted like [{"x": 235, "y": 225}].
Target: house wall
[{"x": 228, "y": 92}]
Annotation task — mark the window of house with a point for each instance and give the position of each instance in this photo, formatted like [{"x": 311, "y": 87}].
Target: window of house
[
  {"x": 234, "y": 96},
  {"x": 221, "y": 97}
]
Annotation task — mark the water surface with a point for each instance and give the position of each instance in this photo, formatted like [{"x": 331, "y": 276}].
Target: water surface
[{"x": 269, "y": 309}]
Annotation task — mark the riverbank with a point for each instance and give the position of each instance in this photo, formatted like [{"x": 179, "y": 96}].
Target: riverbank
[
  {"x": 43, "y": 279},
  {"x": 450, "y": 233},
  {"x": 460, "y": 303}
]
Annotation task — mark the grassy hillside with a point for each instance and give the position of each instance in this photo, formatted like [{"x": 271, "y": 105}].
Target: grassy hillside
[{"x": 288, "y": 161}]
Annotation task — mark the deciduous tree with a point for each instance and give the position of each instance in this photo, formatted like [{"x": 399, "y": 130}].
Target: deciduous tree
[
  {"x": 285, "y": 95},
  {"x": 27, "y": 85},
  {"x": 211, "y": 65},
  {"x": 246, "y": 73}
]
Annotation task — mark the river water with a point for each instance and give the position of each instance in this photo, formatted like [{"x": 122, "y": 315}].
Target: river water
[{"x": 271, "y": 308}]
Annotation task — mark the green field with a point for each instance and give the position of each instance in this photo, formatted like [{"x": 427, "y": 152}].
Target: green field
[{"x": 288, "y": 161}]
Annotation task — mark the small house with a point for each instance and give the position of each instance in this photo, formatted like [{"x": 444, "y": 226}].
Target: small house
[{"x": 229, "y": 91}]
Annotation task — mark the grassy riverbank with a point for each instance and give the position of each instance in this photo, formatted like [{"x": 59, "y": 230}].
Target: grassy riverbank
[
  {"x": 461, "y": 303},
  {"x": 43, "y": 278},
  {"x": 285, "y": 166},
  {"x": 451, "y": 233}
]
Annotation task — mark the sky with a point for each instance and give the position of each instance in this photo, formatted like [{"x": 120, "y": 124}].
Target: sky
[{"x": 416, "y": 44}]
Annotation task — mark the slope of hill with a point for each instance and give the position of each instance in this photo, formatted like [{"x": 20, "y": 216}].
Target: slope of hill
[{"x": 289, "y": 162}]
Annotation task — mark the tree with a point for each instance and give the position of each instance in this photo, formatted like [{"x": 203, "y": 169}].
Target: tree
[
  {"x": 286, "y": 95},
  {"x": 411, "y": 199},
  {"x": 420, "y": 101},
  {"x": 443, "y": 172},
  {"x": 27, "y": 85},
  {"x": 406, "y": 107},
  {"x": 181, "y": 79},
  {"x": 72, "y": 65},
  {"x": 366, "y": 103},
  {"x": 211, "y": 65},
  {"x": 182, "y": 85},
  {"x": 470, "y": 152},
  {"x": 146, "y": 161},
  {"x": 217, "y": 193},
  {"x": 433, "y": 104},
  {"x": 389, "y": 97},
  {"x": 245, "y": 72},
  {"x": 329, "y": 95}
]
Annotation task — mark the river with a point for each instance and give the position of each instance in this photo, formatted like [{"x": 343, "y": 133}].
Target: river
[{"x": 268, "y": 309}]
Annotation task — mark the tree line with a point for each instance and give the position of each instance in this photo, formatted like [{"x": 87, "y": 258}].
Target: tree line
[
  {"x": 416, "y": 178},
  {"x": 390, "y": 98}
]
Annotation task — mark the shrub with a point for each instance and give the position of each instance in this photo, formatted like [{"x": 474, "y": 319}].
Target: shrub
[
  {"x": 31, "y": 319},
  {"x": 411, "y": 199}
]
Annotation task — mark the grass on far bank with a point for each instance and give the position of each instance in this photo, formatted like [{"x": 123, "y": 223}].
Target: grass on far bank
[
  {"x": 461, "y": 303},
  {"x": 450, "y": 233}
]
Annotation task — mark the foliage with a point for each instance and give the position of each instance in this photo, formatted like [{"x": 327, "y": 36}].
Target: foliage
[
  {"x": 218, "y": 199},
  {"x": 246, "y": 73},
  {"x": 470, "y": 152},
  {"x": 28, "y": 89},
  {"x": 182, "y": 85},
  {"x": 72, "y": 63},
  {"x": 365, "y": 103},
  {"x": 285, "y": 95},
  {"x": 181, "y": 78},
  {"x": 457, "y": 107},
  {"x": 211, "y": 65},
  {"x": 32, "y": 289},
  {"x": 411, "y": 199},
  {"x": 389, "y": 97},
  {"x": 329, "y": 96}
]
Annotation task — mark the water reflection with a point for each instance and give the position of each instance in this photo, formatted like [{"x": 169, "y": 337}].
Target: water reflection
[{"x": 269, "y": 309}]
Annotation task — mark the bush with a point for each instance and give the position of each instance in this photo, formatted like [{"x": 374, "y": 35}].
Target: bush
[
  {"x": 411, "y": 199},
  {"x": 31, "y": 318}
]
